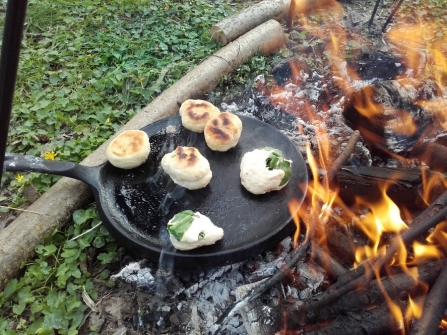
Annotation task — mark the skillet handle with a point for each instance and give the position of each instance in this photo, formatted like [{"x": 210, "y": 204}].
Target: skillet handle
[{"x": 25, "y": 163}]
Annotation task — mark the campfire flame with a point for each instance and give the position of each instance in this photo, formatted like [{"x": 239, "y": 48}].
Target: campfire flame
[{"x": 381, "y": 222}]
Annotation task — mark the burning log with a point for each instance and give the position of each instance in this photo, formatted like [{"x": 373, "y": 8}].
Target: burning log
[
  {"x": 364, "y": 181},
  {"x": 372, "y": 295},
  {"x": 234, "y": 26},
  {"x": 374, "y": 321},
  {"x": 362, "y": 275},
  {"x": 333, "y": 268},
  {"x": 432, "y": 154},
  {"x": 434, "y": 307}
]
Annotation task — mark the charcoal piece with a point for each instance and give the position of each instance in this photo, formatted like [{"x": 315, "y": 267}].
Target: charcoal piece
[
  {"x": 282, "y": 72},
  {"x": 379, "y": 65},
  {"x": 289, "y": 70}
]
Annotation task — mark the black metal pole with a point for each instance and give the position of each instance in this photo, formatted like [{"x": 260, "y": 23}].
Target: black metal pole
[{"x": 9, "y": 61}]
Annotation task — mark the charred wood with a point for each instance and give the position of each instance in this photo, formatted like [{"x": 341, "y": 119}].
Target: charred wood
[
  {"x": 434, "y": 307},
  {"x": 332, "y": 172},
  {"x": 258, "y": 290},
  {"x": 432, "y": 154},
  {"x": 362, "y": 275},
  {"x": 332, "y": 267},
  {"x": 397, "y": 286},
  {"x": 364, "y": 182},
  {"x": 341, "y": 245},
  {"x": 387, "y": 114},
  {"x": 376, "y": 321}
]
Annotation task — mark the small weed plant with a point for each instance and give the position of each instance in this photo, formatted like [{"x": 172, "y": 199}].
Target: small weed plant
[{"x": 47, "y": 297}]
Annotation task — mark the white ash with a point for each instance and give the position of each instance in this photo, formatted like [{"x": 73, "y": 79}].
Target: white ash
[
  {"x": 137, "y": 276},
  {"x": 284, "y": 111},
  {"x": 190, "y": 302}
]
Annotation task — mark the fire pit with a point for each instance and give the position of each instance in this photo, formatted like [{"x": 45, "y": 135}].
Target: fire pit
[{"x": 365, "y": 256}]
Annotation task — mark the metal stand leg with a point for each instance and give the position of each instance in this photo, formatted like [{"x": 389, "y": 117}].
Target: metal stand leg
[
  {"x": 373, "y": 14},
  {"x": 395, "y": 9},
  {"x": 12, "y": 39}
]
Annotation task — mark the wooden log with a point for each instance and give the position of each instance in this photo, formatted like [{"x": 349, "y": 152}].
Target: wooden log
[
  {"x": 364, "y": 181},
  {"x": 332, "y": 267},
  {"x": 432, "y": 154},
  {"x": 19, "y": 240},
  {"x": 396, "y": 286},
  {"x": 375, "y": 321},
  {"x": 362, "y": 275},
  {"x": 434, "y": 308},
  {"x": 234, "y": 26}
]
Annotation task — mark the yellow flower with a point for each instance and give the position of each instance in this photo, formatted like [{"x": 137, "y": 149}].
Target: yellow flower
[
  {"x": 19, "y": 177},
  {"x": 50, "y": 155},
  {"x": 108, "y": 120},
  {"x": 89, "y": 55}
]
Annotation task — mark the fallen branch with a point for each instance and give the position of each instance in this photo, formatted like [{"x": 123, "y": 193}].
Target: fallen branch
[
  {"x": 258, "y": 290},
  {"x": 234, "y": 26},
  {"x": 434, "y": 308}
]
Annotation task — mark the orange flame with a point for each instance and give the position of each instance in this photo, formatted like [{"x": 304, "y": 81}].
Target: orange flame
[{"x": 383, "y": 217}]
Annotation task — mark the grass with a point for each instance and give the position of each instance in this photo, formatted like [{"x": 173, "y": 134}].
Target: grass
[{"x": 86, "y": 68}]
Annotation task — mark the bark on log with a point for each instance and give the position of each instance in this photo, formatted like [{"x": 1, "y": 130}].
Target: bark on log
[
  {"x": 19, "y": 240},
  {"x": 396, "y": 286},
  {"x": 234, "y": 26},
  {"x": 376, "y": 321},
  {"x": 434, "y": 308},
  {"x": 405, "y": 189}
]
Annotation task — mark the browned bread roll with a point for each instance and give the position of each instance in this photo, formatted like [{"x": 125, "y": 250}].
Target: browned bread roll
[
  {"x": 223, "y": 131},
  {"x": 187, "y": 167},
  {"x": 196, "y": 113},
  {"x": 129, "y": 149}
]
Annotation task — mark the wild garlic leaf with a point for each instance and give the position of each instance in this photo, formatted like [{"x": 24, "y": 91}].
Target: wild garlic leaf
[
  {"x": 277, "y": 161},
  {"x": 180, "y": 223}
]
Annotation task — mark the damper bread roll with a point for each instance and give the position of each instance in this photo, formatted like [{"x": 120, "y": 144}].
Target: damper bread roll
[
  {"x": 223, "y": 131},
  {"x": 264, "y": 170},
  {"x": 187, "y": 167},
  {"x": 189, "y": 230},
  {"x": 129, "y": 150},
  {"x": 196, "y": 113}
]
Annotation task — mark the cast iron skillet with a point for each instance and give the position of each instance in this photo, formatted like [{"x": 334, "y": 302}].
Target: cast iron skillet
[{"x": 135, "y": 205}]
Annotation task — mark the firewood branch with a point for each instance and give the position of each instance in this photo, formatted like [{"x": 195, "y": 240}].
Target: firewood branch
[
  {"x": 257, "y": 291},
  {"x": 363, "y": 274}
]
